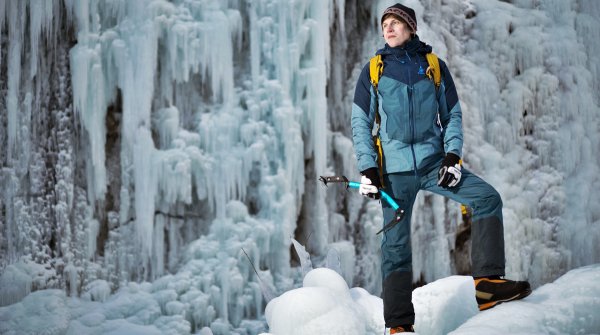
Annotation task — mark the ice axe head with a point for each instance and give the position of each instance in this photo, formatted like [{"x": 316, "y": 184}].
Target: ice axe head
[
  {"x": 397, "y": 218},
  {"x": 334, "y": 179}
]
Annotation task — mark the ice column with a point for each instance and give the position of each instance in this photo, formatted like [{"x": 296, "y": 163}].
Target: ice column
[
  {"x": 90, "y": 96},
  {"x": 16, "y": 23}
]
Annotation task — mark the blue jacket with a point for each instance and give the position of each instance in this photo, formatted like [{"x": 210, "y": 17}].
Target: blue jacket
[{"x": 418, "y": 124}]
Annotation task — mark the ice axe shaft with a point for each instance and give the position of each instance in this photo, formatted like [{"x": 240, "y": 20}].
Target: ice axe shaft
[{"x": 399, "y": 214}]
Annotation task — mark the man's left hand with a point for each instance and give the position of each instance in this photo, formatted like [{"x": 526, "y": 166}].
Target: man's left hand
[{"x": 449, "y": 173}]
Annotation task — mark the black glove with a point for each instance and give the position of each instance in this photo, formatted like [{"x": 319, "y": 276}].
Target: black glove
[
  {"x": 449, "y": 173},
  {"x": 370, "y": 176}
]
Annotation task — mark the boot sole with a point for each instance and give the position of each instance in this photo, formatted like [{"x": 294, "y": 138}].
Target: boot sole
[{"x": 491, "y": 304}]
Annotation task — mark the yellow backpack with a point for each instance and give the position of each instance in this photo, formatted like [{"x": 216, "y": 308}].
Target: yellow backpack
[{"x": 375, "y": 71}]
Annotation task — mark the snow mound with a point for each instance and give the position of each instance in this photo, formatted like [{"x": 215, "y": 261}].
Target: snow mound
[
  {"x": 324, "y": 305},
  {"x": 50, "y": 311},
  {"x": 569, "y": 305},
  {"x": 445, "y": 304}
]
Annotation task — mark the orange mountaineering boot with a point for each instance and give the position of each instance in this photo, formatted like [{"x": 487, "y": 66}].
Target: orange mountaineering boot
[
  {"x": 402, "y": 329},
  {"x": 491, "y": 291}
]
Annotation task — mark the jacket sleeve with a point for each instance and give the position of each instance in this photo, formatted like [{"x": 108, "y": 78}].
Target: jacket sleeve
[
  {"x": 363, "y": 117},
  {"x": 450, "y": 113}
]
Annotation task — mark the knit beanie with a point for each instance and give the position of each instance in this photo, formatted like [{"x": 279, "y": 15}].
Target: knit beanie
[{"x": 405, "y": 13}]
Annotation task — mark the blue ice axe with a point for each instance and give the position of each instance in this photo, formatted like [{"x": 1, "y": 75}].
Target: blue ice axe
[{"x": 399, "y": 214}]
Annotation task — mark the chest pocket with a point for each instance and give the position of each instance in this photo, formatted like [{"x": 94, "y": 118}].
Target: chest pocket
[
  {"x": 408, "y": 115},
  {"x": 394, "y": 110},
  {"x": 425, "y": 111}
]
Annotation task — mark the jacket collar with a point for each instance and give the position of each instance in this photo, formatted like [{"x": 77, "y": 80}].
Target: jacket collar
[{"x": 411, "y": 47}]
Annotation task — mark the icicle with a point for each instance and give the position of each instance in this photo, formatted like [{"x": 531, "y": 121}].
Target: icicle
[
  {"x": 72, "y": 274},
  {"x": 80, "y": 9},
  {"x": 333, "y": 261},
  {"x": 2, "y": 22},
  {"x": 90, "y": 101},
  {"x": 167, "y": 126},
  {"x": 266, "y": 290},
  {"x": 237, "y": 28},
  {"x": 341, "y": 16},
  {"x": 16, "y": 19},
  {"x": 2, "y": 15},
  {"x": 305, "y": 263},
  {"x": 92, "y": 236},
  {"x": 174, "y": 177},
  {"x": 158, "y": 264},
  {"x": 174, "y": 242},
  {"x": 136, "y": 62},
  {"x": 221, "y": 61},
  {"x": 254, "y": 44},
  {"x": 192, "y": 49},
  {"x": 285, "y": 73},
  {"x": 145, "y": 190},
  {"x": 314, "y": 80},
  {"x": 36, "y": 11}
]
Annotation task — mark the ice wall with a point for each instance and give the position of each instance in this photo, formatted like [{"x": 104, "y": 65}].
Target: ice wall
[
  {"x": 527, "y": 76},
  {"x": 539, "y": 109},
  {"x": 175, "y": 122}
]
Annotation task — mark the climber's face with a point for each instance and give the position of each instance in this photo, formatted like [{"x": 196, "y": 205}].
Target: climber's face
[{"x": 395, "y": 31}]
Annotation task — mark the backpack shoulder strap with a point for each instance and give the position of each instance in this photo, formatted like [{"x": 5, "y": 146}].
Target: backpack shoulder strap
[
  {"x": 375, "y": 70},
  {"x": 433, "y": 71}
]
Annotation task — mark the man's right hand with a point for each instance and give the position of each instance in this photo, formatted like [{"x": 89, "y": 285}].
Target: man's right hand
[{"x": 370, "y": 183}]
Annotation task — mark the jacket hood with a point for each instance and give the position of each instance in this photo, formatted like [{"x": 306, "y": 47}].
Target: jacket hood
[{"x": 412, "y": 46}]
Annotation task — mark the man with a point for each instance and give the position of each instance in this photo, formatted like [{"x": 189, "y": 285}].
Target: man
[{"x": 420, "y": 128}]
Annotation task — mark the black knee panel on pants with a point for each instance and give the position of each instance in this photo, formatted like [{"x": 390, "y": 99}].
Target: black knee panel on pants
[
  {"x": 397, "y": 299},
  {"x": 487, "y": 251}
]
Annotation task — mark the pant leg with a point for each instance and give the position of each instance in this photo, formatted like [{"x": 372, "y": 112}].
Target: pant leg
[
  {"x": 396, "y": 251},
  {"x": 487, "y": 232}
]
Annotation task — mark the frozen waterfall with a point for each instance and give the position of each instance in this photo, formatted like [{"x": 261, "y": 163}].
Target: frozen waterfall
[{"x": 145, "y": 143}]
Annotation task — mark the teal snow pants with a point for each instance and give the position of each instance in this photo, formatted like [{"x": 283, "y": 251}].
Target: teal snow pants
[{"x": 487, "y": 248}]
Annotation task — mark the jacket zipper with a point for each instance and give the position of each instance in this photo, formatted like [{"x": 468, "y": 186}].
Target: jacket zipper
[{"x": 411, "y": 115}]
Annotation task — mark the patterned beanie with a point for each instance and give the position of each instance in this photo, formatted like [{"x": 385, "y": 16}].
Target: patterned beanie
[{"x": 405, "y": 13}]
